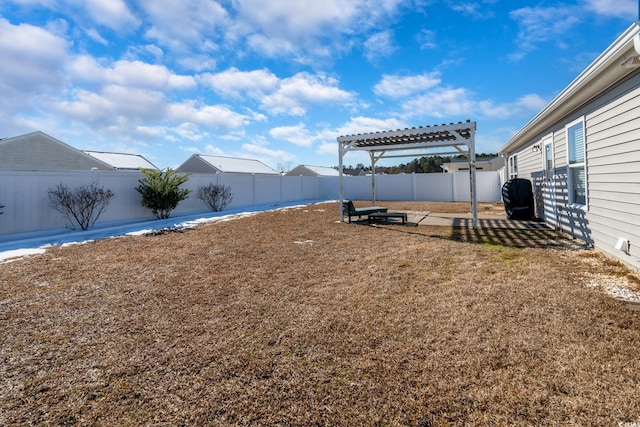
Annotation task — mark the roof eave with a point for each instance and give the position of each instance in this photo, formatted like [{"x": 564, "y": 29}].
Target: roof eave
[{"x": 594, "y": 80}]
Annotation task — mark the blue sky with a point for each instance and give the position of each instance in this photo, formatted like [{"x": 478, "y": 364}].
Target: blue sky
[{"x": 279, "y": 80}]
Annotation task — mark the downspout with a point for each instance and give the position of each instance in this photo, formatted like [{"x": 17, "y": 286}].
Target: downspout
[{"x": 474, "y": 197}]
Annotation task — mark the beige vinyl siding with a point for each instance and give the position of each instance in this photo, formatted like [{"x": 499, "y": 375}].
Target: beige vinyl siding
[
  {"x": 39, "y": 152},
  {"x": 195, "y": 164},
  {"x": 528, "y": 162},
  {"x": 613, "y": 167}
]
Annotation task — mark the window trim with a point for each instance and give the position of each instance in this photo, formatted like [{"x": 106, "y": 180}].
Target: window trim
[
  {"x": 545, "y": 142},
  {"x": 571, "y": 166},
  {"x": 513, "y": 171}
]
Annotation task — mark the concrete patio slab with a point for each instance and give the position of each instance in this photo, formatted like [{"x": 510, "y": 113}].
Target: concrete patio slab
[{"x": 484, "y": 221}]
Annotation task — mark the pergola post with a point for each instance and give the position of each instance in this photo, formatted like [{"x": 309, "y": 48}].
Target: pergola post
[
  {"x": 341, "y": 174},
  {"x": 474, "y": 197},
  {"x": 373, "y": 177}
]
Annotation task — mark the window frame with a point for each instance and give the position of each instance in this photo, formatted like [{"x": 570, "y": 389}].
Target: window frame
[
  {"x": 549, "y": 170},
  {"x": 576, "y": 165},
  {"x": 513, "y": 166}
]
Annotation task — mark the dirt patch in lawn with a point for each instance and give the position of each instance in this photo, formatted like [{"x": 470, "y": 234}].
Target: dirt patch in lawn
[{"x": 290, "y": 318}]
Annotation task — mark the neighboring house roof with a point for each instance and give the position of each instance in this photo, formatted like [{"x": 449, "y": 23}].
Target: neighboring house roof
[
  {"x": 122, "y": 160},
  {"x": 493, "y": 163},
  {"x": 307, "y": 170},
  {"x": 617, "y": 62},
  {"x": 203, "y": 163},
  {"x": 41, "y": 152},
  {"x": 353, "y": 172}
]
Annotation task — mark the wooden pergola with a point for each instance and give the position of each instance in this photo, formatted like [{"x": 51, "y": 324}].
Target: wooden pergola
[{"x": 413, "y": 142}]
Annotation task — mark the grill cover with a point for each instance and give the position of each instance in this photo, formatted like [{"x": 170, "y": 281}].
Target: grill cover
[{"x": 517, "y": 196}]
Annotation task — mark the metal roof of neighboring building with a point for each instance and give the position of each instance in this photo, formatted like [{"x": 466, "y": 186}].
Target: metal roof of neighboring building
[
  {"x": 314, "y": 170},
  {"x": 122, "y": 160},
  {"x": 233, "y": 164}
]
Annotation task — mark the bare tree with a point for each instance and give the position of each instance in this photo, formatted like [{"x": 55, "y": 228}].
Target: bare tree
[
  {"x": 216, "y": 196},
  {"x": 83, "y": 205}
]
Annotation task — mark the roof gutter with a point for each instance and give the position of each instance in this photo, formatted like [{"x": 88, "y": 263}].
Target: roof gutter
[{"x": 616, "y": 62}]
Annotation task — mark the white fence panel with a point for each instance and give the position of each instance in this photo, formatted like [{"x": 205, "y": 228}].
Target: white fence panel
[
  {"x": 310, "y": 188},
  {"x": 291, "y": 188},
  {"x": 487, "y": 187},
  {"x": 394, "y": 187},
  {"x": 437, "y": 187},
  {"x": 329, "y": 187},
  {"x": 266, "y": 189},
  {"x": 241, "y": 187}
]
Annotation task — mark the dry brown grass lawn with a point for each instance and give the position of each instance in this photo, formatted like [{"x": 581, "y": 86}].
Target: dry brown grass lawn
[{"x": 290, "y": 318}]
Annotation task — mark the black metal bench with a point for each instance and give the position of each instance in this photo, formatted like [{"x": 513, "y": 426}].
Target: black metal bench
[
  {"x": 350, "y": 210},
  {"x": 385, "y": 216}
]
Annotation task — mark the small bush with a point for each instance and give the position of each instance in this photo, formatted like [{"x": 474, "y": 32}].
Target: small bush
[
  {"x": 216, "y": 196},
  {"x": 83, "y": 205},
  {"x": 161, "y": 191}
]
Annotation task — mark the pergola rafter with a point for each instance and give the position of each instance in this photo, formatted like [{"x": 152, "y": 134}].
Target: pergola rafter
[{"x": 413, "y": 142}]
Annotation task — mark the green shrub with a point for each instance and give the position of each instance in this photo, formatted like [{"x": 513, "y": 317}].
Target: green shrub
[
  {"x": 83, "y": 205},
  {"x": 216, "y": 196},
  {"x": 161, "y": 191}
]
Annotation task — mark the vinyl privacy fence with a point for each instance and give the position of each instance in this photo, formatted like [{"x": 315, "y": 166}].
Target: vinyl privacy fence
[{"x": 27, "y": 208}]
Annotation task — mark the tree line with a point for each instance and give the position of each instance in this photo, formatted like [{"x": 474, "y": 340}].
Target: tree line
[{"x": 425, "y": 164}]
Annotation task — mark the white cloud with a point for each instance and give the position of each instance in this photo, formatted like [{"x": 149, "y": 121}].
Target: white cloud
[
  {"x": 291, "y": 95},
  {"x": 185, "y": 25},
  {"x": 625, "y": 9},
  {"x": 460, "y": 102},
  {"x": 441, "y": 103},
  {"x": 198, "y": 63},
  {"x": 150, "y": 132},
  {"x": 235, "y": 83},
  {"x": 394, "y": 86},
  {"x": 262, "y": 151},
  {"x": 213, "y": 150},
  {"x": 96, "y": 36},
  {"x": 114, "y": 106},
  {"x": 298, "y": 134},
  {"x": 297, "y": 27},
  {"x": 328, "y": 148},
  {"x": 540, "y": 25},
  {"x": 216, "y": 116},
  {"x": 294, "y": 93},
  {"x": 111, "y": 13},
  {"x": 379, "y": 45},
  {"x": 369, "y": 124},
  {"x": 122, "y": 111},
  {"x": 129, "y": 73},
  {"x": 190, "y": 131},
  {"x": 32, "y": 59},
  {"x": 427, "y": 39},
  {"x": 472, "y": 9}
]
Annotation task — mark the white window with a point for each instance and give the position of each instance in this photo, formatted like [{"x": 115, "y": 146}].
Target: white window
[
  {"x": 547, "y": 158},
  {"x": 576, "y": 167},
  {"x": 513, "y": 166}
]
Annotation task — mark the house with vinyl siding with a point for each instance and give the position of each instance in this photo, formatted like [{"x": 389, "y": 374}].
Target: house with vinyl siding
[
  {"x": 37, "y": 151},
  {"x": 582, "y": 153}
]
